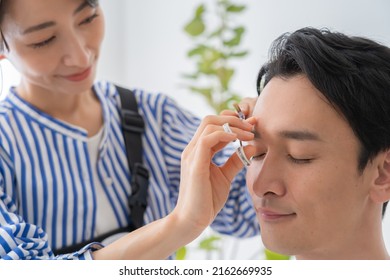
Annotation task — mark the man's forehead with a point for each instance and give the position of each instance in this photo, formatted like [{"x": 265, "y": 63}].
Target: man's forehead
[
  {"x": 290, "y": 93},
  {"x": 295, "y": 109}
]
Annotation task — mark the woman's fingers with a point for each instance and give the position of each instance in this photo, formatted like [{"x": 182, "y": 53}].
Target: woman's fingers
[
  {"x": 204, "y": 186},
  {"x": 247, "y": 105},
  {"x": 214, "y": 137},
  {"x": 228, "y": 113},
  {"x": 234, "y": 164},
  {"x": 220, "y": 120},
  {"x": 208, "y": 121}
]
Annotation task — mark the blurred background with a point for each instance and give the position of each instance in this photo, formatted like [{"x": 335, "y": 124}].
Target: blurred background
[{"x": 146, "y": 47}]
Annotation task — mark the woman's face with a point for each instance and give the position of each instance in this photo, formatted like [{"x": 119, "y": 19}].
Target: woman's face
[{"x": 53, "y": 44}]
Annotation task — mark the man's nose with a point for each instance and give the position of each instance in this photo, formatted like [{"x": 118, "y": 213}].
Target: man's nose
[{"x": 267, "y": 177}]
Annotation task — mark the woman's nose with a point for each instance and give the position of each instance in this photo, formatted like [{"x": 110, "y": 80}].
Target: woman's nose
[{"x": 76, "y": 53}]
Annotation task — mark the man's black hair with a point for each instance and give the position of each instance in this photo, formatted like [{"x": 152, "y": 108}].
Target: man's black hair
[{"x": 352, "y": 73}]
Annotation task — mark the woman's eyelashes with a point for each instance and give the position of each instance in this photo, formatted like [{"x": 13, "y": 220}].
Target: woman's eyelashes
[
  {"x": 46, "y": 42},
  {"x": 42, "y": 43},
  {"x": 89, "y": 19}
]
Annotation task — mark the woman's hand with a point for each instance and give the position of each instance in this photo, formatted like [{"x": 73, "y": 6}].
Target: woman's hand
[
  {"x": 246, "y": 105},
  {"x": 205, "y": 187}
]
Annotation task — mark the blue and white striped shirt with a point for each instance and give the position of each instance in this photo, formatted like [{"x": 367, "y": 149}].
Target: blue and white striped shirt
[{"x": 47, "y": 193}]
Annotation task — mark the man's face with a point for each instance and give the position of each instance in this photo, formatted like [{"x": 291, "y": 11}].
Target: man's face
[{"x": 308, "y": 193}]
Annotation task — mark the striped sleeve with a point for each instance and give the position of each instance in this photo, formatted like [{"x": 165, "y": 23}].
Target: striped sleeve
[
  {"x": 23, "y": 241},
  {"x": 178, "y": 127}
]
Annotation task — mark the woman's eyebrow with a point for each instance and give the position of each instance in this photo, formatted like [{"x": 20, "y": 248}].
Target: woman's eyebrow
[
  {"x": 38, "y": 27},
  {"x": 81, "y": 7},
  {"x": 52, "y": 23}
]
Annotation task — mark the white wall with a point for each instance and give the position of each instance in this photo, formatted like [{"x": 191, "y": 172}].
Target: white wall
[{"x": 148, "y": 48}]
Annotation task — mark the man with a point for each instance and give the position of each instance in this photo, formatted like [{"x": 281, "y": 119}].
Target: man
[{"x": 320, "y": 176}]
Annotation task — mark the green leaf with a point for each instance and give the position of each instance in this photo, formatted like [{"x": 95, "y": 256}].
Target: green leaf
[
  {"x": 238, "y": 54},
  {"x": 228, "y": 103},
  {"x": 199, "y": 50},
  {"x": 216, "y": 33},
  {"x": 190, "y": 76},
  {"x": 207, "y": 92},
  {"x": 236, "y": 38},
  {"x": 207, "y": 244},
  {"x": 234, "y": 98},
  {"x": 269, "y": 255},
  {"x": 235, "y": 8},
  {"x": 206, "y": 67},
  {"x": 224, "y": 75},
  {"x": 181, "y": 253},
  {"x": 211, "y": 55},
  {"x": 239, "y": 30},
  {"x": 200, "y": 11},
  {"x": 195, "y": 27}
]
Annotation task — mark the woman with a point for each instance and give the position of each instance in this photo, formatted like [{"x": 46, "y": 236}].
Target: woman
[{"x": 64, "y": 178}]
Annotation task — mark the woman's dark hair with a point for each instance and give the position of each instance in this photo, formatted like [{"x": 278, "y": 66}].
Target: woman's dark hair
[
  {"x": 352, "y": 73},
  {"x": 3, "y": 42},
  {"x": 3, "y": 9}
]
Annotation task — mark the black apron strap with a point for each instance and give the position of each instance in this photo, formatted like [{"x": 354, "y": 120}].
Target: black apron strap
[
  {"x": 133, "y": 127},
  {"x": 78, "y": 246}
]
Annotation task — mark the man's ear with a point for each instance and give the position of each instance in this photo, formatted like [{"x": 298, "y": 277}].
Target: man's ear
[
  {"x": 380, "y": 192},
  {"x": 2, "y": 56}
]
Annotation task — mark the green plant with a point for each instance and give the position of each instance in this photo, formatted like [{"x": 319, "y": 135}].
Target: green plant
[
  {"x": 270, "y": 255},
  {"x": 214, "y": 49},
  {"x": 207, "y": 244}
]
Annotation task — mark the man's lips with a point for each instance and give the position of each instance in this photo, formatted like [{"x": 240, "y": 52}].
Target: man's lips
[
  {"x": 79, "y": 76},
  {"x": 273, "y": 215}
]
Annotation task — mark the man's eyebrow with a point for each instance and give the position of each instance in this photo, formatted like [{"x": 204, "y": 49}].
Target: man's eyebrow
[
  {"x": 299, "y": 135},
  {"x": 52, "y": 23},
  {"x": 256, "y": 134}
]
